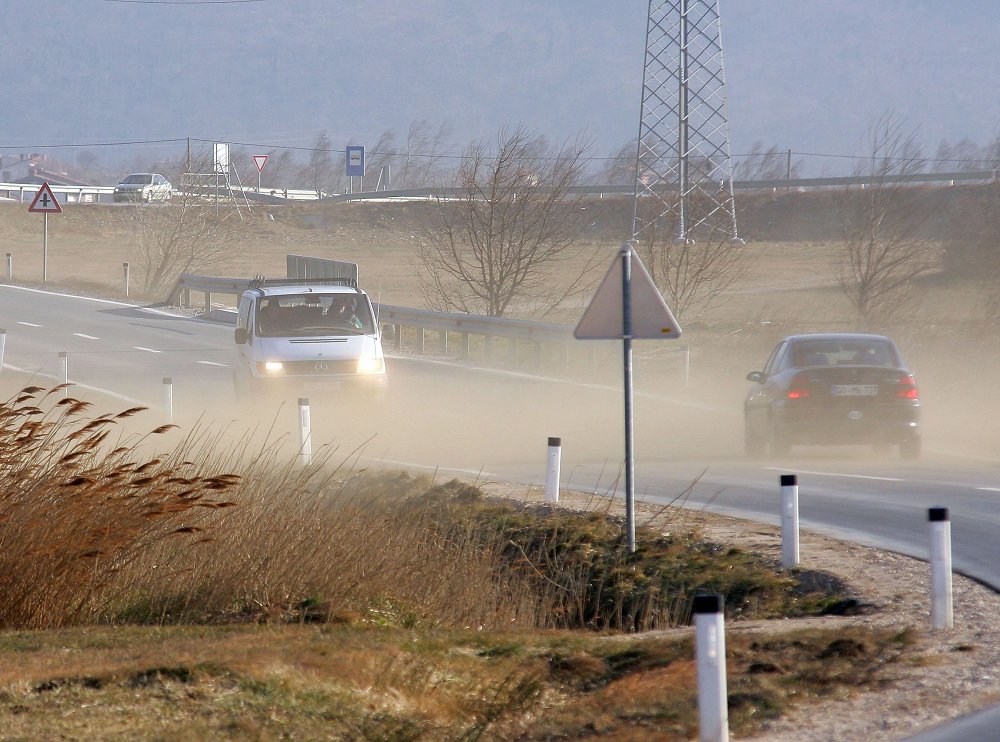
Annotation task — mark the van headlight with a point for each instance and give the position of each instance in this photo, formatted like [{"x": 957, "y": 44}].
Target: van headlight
[
  {"x": 271, "y": 367},
  {"x": 371, "y": 365}
]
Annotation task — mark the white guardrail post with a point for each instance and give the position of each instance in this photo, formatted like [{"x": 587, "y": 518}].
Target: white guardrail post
[
  {"x": 125, "y": 278},
  {"x": 789, "y": 521},
  {"x": 305, "y": 432},
  {"x": 10, "y": 267},
  {"x": 3, "y": 344},
  {"x": 942, "y": 616},
  {"x": 64, "y": 363},
  {"x": 710, "y": 656},
  {"x": 168, "y": 399},
  {"x": 552, "y": 473}
]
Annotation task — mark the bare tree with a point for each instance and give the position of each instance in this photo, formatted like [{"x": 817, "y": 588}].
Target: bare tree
[
  {"x": 694, "y": 274},
  {"x": 425, "y": 149},
  {"x": 619, "y": 167},
  {"x": 884, "y": 249},
  {"x": 188, "y": 233},
  {"x": 279, "y": 170},
  {"x": 766, "y": 164},
  {"x": 380, "y": 157},
  {"x": 320, "y": 172},
  {"x": 499, "y": 242}
]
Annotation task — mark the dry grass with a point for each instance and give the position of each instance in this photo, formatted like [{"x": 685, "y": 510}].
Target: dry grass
[
  {"x": 91, "y": 532},
  {"x": 74, "y": 514},
  {"x": 368, "y": 683}
]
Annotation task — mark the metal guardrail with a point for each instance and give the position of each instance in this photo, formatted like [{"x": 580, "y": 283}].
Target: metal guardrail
[
  {"x": 548, "y": 344},
  {"x": 418, "y": 321},
  {"x": 92, "y": 194},
  {"x": 427, "y": 319},
  {"x": 67, "y": 194}
]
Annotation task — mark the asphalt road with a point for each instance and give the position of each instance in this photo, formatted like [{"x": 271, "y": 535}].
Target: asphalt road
[{"x": 494, "y": 424}]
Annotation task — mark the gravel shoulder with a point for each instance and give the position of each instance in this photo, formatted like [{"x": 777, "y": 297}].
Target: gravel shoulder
[{"x": 951, "y": 672}]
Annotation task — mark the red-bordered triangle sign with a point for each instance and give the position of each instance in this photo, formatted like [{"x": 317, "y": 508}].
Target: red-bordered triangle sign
[
  {"x": 45, "y": 201},
  {"x": 260, "y": 161}
]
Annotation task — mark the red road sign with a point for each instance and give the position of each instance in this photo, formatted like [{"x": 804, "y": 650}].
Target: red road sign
[
  {"x": 45, "y": 201},
  {"x": 259, "y": 161}
]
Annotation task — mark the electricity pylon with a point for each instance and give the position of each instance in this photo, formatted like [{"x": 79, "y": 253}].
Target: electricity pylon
[{"x": 683, "y": 165}]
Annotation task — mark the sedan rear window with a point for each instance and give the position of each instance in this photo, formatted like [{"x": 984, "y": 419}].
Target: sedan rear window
[{"x": 845, "y": 352}]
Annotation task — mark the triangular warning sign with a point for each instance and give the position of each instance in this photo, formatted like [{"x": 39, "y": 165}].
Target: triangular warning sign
[
  {"x": 260, "y": 161},
  {"x": 45, "y": 201},
  {"x": 651, "y": 317}
]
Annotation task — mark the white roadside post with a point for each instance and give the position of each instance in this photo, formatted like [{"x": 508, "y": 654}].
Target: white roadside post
[
  {"x": 168, "y": 399},
  {"x": 942, "y": 616},
  {"x": 125, "y": 278},
  {"x": 10, "y": 267},
  {"x": 710, "y": 657},
  {"x": 3, "y": 344},
  {"x": 305, "y": 432},
  {"x": 552, "y": 473},
  {"x": 789, "y": 521},
  {"x": 64, "y": 362}
]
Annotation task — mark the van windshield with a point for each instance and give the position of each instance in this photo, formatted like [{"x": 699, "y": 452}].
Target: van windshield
[{"x": 314, "y": 314}]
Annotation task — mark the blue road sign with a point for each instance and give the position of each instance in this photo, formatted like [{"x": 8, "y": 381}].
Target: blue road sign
[{"x": 355, "y": 160}]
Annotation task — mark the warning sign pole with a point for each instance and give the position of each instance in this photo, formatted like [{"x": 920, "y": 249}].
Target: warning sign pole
[
  {"x": 626, "y": 258},
  {"x": 644, "y": 315},
  {"x": 45, "y": 201},
  {"x": 45, "y": 247}
]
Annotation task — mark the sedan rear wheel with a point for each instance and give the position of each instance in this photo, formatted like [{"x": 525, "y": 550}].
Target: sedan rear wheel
[
  {"x": 910, "y": 448},
  {"x": 755, "y": 443},
  {"x": 779, "y": 444}
]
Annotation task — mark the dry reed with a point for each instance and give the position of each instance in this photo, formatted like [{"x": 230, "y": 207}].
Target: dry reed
[{"x": 91, "y": 532}]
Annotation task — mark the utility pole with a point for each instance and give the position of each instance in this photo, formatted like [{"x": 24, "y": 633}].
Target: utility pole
[{"x": 683, "y": 165}]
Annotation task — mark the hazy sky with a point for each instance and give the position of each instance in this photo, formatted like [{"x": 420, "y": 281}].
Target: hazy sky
[{"x": 802, "y": 74}]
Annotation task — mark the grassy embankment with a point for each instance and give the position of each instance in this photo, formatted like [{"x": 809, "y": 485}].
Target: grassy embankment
[{"x": 216, "y": 591}]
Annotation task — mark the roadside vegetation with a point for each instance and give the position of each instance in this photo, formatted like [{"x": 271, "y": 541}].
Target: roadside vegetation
[{"x": 213, "y": 590}]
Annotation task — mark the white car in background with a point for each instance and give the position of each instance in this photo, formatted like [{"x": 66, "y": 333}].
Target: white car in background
[{"x": 143, "y": 188}]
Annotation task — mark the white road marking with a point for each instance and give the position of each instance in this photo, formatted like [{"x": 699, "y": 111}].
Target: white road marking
[
  {"x": 988, "y": 489},
  {"x": 148, "y": 350},
  {"x": 29, "y": 324},
  {"x": 212, "y": 363},
  {"x": 85, "y": 336},
  {"x": 834, "y": 474}
]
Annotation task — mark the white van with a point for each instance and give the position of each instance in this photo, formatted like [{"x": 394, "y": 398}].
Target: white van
[{"x": 303, "y": 335}]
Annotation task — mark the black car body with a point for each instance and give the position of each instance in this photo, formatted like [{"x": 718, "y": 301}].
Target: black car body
[{"x": 828, "y": 389}]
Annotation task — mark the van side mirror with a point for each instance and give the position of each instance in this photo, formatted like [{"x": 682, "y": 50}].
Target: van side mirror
[{"x": 241, "y": 335}]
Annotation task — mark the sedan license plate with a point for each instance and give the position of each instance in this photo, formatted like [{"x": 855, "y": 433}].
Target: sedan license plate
[{"x": 854, "y": 390}]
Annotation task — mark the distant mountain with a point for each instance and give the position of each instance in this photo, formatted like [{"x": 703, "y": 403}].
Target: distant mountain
[{"x": 279, "y": 71}]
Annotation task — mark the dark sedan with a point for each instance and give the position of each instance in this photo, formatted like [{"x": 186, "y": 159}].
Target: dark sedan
[{"x": 828, "y": 389}]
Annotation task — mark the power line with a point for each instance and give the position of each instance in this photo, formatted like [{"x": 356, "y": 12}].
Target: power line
[{"x": 439, "y": 156}]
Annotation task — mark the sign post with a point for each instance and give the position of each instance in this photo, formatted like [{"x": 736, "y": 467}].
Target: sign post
[
  {"x": 259, "y": 161},
  {"x": 628, "y": 306},
  {"x": 45, "y": 202}
]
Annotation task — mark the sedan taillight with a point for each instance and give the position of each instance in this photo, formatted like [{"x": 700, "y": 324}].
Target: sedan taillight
[
  {"x": 906, "y": 387},
  {"x": 799, "y": 387}
]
